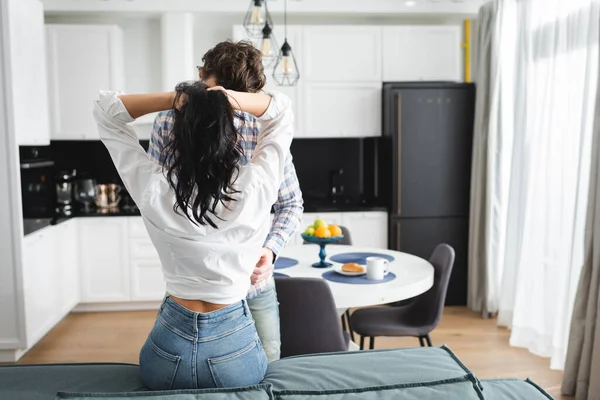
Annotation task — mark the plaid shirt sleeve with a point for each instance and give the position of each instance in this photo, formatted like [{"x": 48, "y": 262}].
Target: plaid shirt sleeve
[
  {"x": 288, "y": 210},
  {"x": 163, "y": 125}
]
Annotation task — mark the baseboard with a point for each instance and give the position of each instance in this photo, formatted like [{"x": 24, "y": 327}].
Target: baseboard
[
  {"x": 124, "y": 306},
  {"x": 11, "y": 356}
]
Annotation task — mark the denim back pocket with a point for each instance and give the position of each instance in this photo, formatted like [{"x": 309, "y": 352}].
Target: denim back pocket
[
  {"x": 157, "y": 367},
  {"x": 244, "y": 367}
]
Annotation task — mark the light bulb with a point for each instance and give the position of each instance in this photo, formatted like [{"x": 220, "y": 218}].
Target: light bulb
[
  {"x": 286, "y": 65},
  {"x": 257, "y": 17},
  {"x": 266, "y": 47}
]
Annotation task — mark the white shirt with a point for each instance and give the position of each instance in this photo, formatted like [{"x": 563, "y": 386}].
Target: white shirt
[{"x": 200, "y": 262}]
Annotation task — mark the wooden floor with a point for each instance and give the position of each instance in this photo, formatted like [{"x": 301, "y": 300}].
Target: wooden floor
[{"x": 118, "y": 337}]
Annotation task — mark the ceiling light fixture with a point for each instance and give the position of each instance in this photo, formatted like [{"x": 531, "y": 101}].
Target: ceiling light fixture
[
  {"x": 286, "y": 71},
  {"x": 410, "y": 3},
  {"x": 268, "y": 47},
  {"x": 256, "y": 18}
]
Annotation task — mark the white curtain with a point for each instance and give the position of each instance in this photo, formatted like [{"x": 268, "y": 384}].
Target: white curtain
[{"x": 538, "y": 160}]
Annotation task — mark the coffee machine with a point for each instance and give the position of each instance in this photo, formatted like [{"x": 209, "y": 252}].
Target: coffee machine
[{"x": 64, "y": 192}]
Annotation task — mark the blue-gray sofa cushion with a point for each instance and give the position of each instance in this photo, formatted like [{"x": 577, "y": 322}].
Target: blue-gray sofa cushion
[
  {"x": 257, "y": 392},
  {"x": 364, "y": 369},
  {"x": 42, "y": 382},
  {"x": 513, "y": 389},
  {"x": 463, "y": 388}
]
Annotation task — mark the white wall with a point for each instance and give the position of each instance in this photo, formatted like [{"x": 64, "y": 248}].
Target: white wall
[{"x": 11, "y": 300}]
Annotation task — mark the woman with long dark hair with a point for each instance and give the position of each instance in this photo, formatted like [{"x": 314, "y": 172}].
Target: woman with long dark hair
[{"x": 207, "y": 218}]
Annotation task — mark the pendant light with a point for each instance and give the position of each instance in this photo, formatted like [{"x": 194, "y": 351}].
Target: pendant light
[
  {"x": 286, "y": 71},
  {"x": 268, "y": 47},
  {"x": 256, "y": 18}
]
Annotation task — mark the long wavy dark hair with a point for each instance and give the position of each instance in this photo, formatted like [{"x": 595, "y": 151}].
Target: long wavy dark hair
[{"x": 202, "y": 157}]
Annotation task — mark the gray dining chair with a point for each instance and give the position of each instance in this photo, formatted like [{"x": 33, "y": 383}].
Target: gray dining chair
[
  {"x": 308, "y": 317},
  {"x": 346, "y": 240},
  {"x": 416, "y": 319}
]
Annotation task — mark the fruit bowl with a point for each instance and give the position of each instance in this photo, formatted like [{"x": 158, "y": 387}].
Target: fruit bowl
[{"x": 322, "y": 242}]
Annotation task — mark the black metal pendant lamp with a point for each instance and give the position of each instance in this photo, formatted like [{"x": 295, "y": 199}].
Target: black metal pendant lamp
[
  {"x": 286, "y": 71},
  {"x": 256, "y": 18},
  {"x": 268, "y": 47}
]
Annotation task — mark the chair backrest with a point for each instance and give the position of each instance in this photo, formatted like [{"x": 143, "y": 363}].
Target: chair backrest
[
  {"x": 309, "y": 320},
  {"x": 429, "y": 306},
  {"x": 347, "y": 239}
]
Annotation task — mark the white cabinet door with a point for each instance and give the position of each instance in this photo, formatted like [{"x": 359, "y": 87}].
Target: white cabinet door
[
  {"x": 418, "y": 53},
  {"x": 367, "y": 228},
  {"x": 342, "y": 109},
  {"x": 67, "y": 260},
  {"x": 342, "y": 53},
  {"x": 40, "y": 285},
  {"x": 27, "y": 64},
  {"x": 82, "y": 59},
  {"x": 146, "y": 276},
  {"x": 295, "y": 93},
  {"x": 104, "y": 259}
]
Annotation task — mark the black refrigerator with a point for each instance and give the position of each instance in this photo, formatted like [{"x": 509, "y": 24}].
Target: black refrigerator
[{"x": 425, "y": 170}]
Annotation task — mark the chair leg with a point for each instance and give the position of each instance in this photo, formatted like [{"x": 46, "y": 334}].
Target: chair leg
[
  {"x": 421, "y": 341},
  {"x": 362, "y": 342},
  {"x": 428, "y": 340},
  {"x": 349, "y": 325},
  {"x": 372, "y": 343}
]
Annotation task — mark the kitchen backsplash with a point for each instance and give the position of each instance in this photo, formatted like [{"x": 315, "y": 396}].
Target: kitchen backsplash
[
  {"x": 89, "y": 157},
  {"x": 318, "y": 163}
]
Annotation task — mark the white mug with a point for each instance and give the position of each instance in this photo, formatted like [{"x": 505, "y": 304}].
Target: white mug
[{"x": 377, "y": 268}]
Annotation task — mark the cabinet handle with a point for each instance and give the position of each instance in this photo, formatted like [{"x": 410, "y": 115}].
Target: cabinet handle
[{"x": 399, "y": 155}]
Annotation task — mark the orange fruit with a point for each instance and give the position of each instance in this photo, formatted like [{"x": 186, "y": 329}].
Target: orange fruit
[
  {"x": 335, "y": 230},
  {"x": 322, "y": 232}
]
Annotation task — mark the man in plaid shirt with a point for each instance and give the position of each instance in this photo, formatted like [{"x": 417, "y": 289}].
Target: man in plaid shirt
[{"x": 238, "y": 66}]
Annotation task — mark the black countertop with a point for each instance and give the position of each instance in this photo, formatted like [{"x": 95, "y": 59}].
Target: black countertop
[{"x": 33, "y": 225}]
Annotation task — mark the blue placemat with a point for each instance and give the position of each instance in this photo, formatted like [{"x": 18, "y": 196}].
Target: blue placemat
[
  {"x": 359, "y": 258},
  {"x": 355, "y": 280},
  {"x": 280, "y": 274},
  {"x": 284, "y": 262}
]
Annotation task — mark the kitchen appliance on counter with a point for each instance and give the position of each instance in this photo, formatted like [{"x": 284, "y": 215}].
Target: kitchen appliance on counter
[
  {"x": 64, "y": 193},
  {"x": 37, "y": 187},
  {"x": 425, "y": 170},
  {"x": 108, "y": 195},
  {"x": 85, "y": 193}
]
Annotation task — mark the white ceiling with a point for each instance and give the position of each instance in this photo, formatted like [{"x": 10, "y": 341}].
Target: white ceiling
[{"x": 363, "y": 7}]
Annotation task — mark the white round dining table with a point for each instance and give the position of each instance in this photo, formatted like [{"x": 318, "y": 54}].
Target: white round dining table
[{"x": 414, "y": 275}]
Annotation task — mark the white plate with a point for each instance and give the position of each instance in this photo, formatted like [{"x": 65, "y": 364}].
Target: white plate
[{"x": 338, "y": 269}]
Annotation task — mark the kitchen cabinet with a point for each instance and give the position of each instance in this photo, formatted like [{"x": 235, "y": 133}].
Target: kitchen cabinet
[
  {"x": 367, "y": 228},
  {"x": 104, "y": 259},
  {"x": 422, "y": 53},
  {"x": 146, "y": 277},
  {"x": 41, "y": 285},
  {"x": 50, "y": 278},
  {"x": 82, "y": 59},
  {"x": 27, "y": 81},
  {"x": 342, "y": 54},
  {"x": 66, "y": 259},
  {"x": 295, "y": 93},
  {"x": 342, "y": 109}
]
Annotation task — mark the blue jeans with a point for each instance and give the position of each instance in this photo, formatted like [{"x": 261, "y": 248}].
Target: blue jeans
[
  {"x": 190, "y": 350},
  {"x": 265, "y": 311}
]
